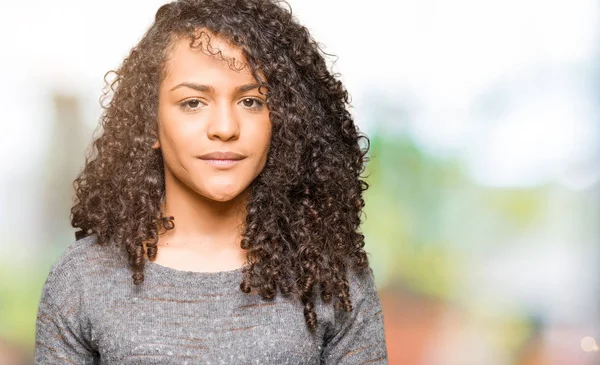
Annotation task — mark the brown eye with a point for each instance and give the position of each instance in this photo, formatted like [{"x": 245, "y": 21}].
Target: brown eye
[
  {"x": 252, "y": 103},
  {"x": 190, "y": 104}
]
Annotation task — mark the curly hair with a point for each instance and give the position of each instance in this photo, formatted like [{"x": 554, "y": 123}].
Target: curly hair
[{"x": 304, "y": 209}]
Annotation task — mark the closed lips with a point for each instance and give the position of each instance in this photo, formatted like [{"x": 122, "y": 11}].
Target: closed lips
[{"x": 222, "y": 156}]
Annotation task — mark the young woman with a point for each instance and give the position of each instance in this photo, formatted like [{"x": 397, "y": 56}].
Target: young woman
[{"x": 218, "y": 213}]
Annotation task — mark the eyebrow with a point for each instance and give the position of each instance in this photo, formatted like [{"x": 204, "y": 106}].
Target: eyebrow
[{"x": 208, "y": 88}]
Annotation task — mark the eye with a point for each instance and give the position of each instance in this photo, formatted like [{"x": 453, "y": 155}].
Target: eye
[
  {"x": 252, "y": 103},
  {"x": 190, "y": 104}
]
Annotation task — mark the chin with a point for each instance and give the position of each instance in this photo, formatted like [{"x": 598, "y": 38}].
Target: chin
[
  {"x": 220, "y": 190},
  {"x": 223, "y": 196}
]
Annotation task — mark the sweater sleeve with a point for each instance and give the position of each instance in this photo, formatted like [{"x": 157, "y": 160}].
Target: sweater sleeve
[
  {"x": 359, "y": 336},
  {"x": 61, "y": 336}
]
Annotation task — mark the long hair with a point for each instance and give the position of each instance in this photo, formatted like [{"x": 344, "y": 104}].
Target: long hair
[{"x": 304, "y": 209}]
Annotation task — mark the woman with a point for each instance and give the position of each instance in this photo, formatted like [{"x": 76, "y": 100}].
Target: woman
[{"x": 218, "y": 213}]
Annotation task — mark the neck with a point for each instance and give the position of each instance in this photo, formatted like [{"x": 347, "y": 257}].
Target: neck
[{"x": 201, "y": 223}]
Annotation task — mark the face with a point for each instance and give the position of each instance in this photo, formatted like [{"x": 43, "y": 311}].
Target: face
[{"x": 206, "y": 108}]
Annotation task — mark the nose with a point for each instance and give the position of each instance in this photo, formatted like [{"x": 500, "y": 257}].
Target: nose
[{"x": 223, "y": 123}]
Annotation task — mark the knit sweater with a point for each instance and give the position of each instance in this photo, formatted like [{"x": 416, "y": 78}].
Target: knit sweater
[{"x": 90, "y": 312}]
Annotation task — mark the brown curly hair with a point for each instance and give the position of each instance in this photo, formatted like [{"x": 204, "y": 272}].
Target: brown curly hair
[{"x": 304, "y": 209}]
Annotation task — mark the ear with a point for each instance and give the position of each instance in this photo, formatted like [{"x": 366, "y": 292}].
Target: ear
[{"x": 156, "y": 144}]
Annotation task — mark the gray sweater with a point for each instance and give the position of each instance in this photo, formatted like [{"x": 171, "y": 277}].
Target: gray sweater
[{"x": 90, "y": 312}]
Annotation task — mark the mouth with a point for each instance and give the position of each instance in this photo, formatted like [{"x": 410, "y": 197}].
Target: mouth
[
  {"x": 222, "y": 159},
  {"x": 218, "y": 155},
  {"x": 221, "y": 163}
]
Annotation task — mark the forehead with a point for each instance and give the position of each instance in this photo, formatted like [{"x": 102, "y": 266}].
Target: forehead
[{"x": 208, "y": 58}]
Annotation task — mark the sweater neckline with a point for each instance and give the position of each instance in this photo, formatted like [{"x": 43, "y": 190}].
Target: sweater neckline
[{"x": 204, "y": 275}]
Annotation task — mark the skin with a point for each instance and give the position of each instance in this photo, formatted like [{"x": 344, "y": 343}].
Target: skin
[{"x": 208, "y": 203}]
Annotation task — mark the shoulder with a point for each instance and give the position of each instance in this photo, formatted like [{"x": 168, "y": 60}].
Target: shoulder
[
  {"x": 76, "y": 250},
  {"x": 358, "y": 336},
  {"x": 79, "y": 256},
  {"x": 66, "y": 265},
  {"x": 361, "y": 282},
  {"x": 363, "y": 295},
  {"x": 74, "y": 267}
]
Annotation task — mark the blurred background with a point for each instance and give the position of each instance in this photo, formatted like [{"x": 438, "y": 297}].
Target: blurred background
[{"x": 482, "y": 220}]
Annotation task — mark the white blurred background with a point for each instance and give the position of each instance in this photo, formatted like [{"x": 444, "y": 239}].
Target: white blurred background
[{"x": 483, "y": 212}]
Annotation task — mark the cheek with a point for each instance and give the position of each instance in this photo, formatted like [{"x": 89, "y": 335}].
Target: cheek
[
  {"x": 174, "y": 138},
  {"x": 263, "y": 137}
]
